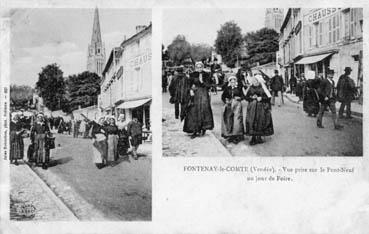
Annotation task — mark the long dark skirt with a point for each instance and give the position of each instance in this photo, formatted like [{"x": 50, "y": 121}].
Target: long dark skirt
[
  {"x": 123, "y": 143},
  {"x": 232, "y": 120},
  {"x": 200, "y": 115},
  {"x": 299, "y": 90},
  {"x": 16, "y": 146},
  {"x": 259, "y": 119},
  {"x": 41, "y": 154},
  {"x": 311, "y": 102}
]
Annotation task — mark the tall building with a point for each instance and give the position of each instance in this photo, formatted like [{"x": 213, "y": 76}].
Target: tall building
[
  {"x": 274, "y": 18},
  {"x": 96, "y": 49}
]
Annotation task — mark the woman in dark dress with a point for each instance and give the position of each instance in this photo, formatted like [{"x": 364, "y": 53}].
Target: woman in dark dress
[
  {"x": 232, "y": 118},
  {"x": 199, "y": 115},
  {"x": 311, "y": 97},
  {"x": 111, "y": 131},
  {"x": 259, "y": 117},
  {"x": 16, "y": 140},
  {"x": 300, "y": 86},
  {"x": 123, "y": 141},
  {"x": 99, "y": 143},
  {"x": 39, "y": 132}
]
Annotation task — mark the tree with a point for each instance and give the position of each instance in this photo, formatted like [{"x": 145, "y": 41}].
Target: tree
[
  {"x": 21, "y": 96},
  {"x": 51, "y": 86},
  {"x": 200, "y": 52},
  {"x": 83, "y": 89},
  {"x": 261, "y": 46},
  {"x": 228, "y": 43},
  {"x": 179, "y": 49}
]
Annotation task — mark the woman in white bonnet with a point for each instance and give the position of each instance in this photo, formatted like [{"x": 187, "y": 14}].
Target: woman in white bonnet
[
  {"x": 259, "y": 117},
  {"x": 199, "y": 115},
  {"x": 232, "y": 120}
]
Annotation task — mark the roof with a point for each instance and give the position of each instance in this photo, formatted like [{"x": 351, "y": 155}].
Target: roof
[
  {"x": 110, "y": 60},
  {"x": 286, "y": 18},
  {"x": 137, "y": 35}
]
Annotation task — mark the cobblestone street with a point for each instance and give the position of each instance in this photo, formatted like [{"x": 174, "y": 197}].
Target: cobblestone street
[
  {"x": 295, "y": 134},
  {"x": 118, "y": 192}
]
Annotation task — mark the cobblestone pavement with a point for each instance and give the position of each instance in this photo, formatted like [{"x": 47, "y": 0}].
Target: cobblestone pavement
[
  {"x": 178, "y": 143},
  {"x": 27, "y": 188},
  {"x": 118, "y": 192}
]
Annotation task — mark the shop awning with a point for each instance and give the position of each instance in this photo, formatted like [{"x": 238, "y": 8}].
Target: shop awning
[
  {"x": 133, "y": 104},
  {"x": 313, "y": 59}
]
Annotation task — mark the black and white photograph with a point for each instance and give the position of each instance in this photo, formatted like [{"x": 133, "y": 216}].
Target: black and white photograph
[
  {"x": 80, "y": 105},
  {"x": 262, "y": 82}
]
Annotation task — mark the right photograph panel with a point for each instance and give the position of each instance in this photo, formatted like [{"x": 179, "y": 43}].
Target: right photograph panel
[{"x": 262, "y": 82}]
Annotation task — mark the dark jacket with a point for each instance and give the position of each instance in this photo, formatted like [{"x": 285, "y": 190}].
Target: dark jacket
[
  {"x": 326, "y": 89},
  {"x": 345, "y": 89},
  {"x": 179, "y": 88},
  {"x": 276, "y": 83}
]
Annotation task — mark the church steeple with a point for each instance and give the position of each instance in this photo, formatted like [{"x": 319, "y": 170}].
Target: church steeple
[
  {"x": 96, "y": 50},
  {"x": 96, "y": 33}
]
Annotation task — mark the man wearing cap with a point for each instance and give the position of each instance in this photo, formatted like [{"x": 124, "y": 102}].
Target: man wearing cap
[
  {"x": 327, "y": 99},
  {"x": 345, "y": 92},
  {"x": 276, "y": 85}
]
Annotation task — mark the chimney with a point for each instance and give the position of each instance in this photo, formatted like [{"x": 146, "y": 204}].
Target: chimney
[
  {"x": 139, "y": 28},
  {"x": 125, "y": 38}
]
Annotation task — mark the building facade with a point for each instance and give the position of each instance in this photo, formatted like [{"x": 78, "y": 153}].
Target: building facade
[
  {"x": 96, "y": 49},
  {"x": 126, "y": 84},
  {"x": 321, "y": 39},
  {"x": 274, "y": 18}
]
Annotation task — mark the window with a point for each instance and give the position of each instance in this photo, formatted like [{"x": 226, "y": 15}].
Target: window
[
  {"x": 334, "y": 28},
  {"x": 300, "y": 42},
  {"x": 330, "y": 30},
  {"x": 310, "y": 36},
  {"x": 321, "y": 33},
  {"x": 352, "y": 22}
]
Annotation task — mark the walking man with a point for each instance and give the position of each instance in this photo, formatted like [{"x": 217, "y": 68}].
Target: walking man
[
  {"x": 328, "y": 99},
  {"x": 178, "y": 89},
  {"x": 346, "y": 92},
  {"x": 276, "y": 84},
  {"x": 134, "y": 129}
]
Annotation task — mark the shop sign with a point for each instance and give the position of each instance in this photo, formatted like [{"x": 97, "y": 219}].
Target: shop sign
[
  {"x": 298, "y": 27},
  {"x": 140, "y": 60},
  {"x": 320, "y": 14},
  {"x": 119, "y": 72}
]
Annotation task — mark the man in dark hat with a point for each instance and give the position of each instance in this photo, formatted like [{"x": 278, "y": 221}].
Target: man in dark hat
[
  {"x": 276, "y": 85},
  {"x": 327, "y": 98},
  {"x": 178, "y": 90},
  {"x": 345, "y": 92}
]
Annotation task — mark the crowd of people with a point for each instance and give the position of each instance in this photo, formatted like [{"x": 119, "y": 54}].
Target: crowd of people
[
  {"x": 320, "y": 93},
  {"x": 190, "y": 89},
  {"x": 110, "y": 138},
  {"x": 189, "y": 93}
]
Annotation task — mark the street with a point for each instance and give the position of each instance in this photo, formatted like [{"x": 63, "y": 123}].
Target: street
[
  {"x": 118, "y": 192},
  {"x": 295, "y": 134}
]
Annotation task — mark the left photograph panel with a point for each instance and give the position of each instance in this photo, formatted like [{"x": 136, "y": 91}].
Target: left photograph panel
[{"x": 80, "y": 105}]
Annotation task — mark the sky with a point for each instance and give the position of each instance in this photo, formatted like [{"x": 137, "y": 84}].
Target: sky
[
  {"x": 43, "y": 36},
  {"x": 201, "y": 25}
]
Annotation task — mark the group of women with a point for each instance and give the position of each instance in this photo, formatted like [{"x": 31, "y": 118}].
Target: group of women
[
  {"x": 111, "y": 139},
  {"x": 42, "y": 141},
  {"x": 248, "y": 87}
]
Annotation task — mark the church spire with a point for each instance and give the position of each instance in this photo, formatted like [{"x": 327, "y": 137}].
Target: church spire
[
  {"x": 96, "y": 33},
  {"x": 96, "y": 50}
]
